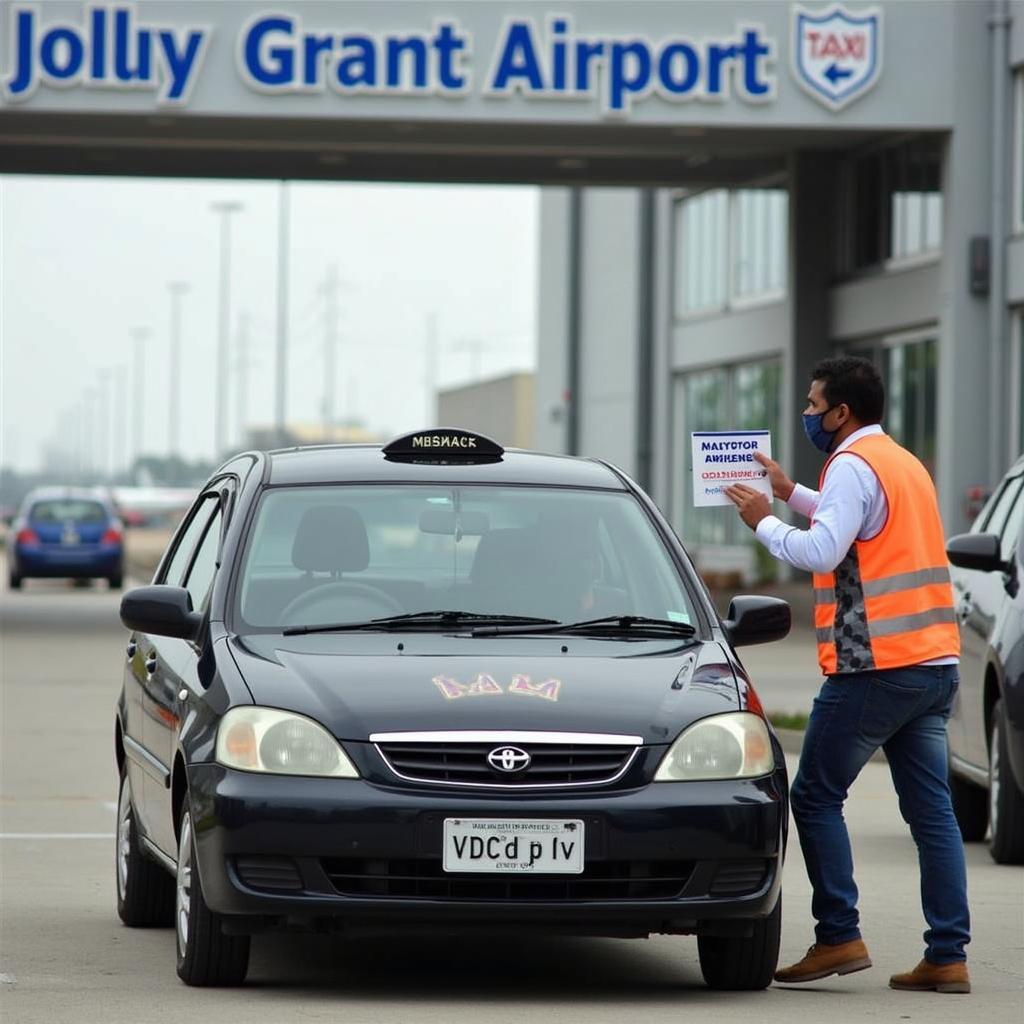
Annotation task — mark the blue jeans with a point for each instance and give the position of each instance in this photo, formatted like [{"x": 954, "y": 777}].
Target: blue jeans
[{"x": 904, "y": 711}]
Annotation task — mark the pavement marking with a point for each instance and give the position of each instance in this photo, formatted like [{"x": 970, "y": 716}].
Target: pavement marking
[{"x": 56, "y": 835}]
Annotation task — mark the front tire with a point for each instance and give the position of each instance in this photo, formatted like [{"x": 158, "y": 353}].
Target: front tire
[
  {"x": 743, "y": 963},
  {"x": 1005, "y": 800},
  {"x": 145, "y": 892},
  {"x": 206, "y": 956},
  {"x": 970, "y": 806}
]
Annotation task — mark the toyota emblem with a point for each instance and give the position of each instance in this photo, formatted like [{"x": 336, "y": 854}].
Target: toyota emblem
[{"x": 508, "y": 759}]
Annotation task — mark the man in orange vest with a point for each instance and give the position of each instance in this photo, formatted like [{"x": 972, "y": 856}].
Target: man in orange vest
[{"x": 889, "y": 647}]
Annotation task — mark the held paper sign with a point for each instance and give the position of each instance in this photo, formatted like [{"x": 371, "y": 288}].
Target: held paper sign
[{"x": 724, "y": 458}]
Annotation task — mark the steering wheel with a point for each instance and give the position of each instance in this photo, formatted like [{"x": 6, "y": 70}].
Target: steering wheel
[{"x": 340, "y": 588}]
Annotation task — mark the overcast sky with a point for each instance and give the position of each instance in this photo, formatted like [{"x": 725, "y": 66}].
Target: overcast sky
[{"x": 84, "y": 261}]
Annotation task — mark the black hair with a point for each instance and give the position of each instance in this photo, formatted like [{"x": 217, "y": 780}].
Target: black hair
[{"x": 855, "y": 382}]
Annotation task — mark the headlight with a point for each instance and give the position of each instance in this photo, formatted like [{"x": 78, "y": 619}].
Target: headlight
[
  {"x": 268, "y": 740},
  {"x": 730, "y": 746}
]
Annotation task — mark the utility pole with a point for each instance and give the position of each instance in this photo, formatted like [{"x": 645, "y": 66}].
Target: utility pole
[
  {"x": 140, "y": 335},
  {"x": 103, "y": 422},
  {"x": 242, "y": 364},
  {"x": 119, "y": 416},
  {"x": 220, "y": 411},
  {"x": 430, "y": 376},
  {"x": 281, "y": 353},
  {"x": 177, "y": 290},
  {"x": 329, "y": 290}
]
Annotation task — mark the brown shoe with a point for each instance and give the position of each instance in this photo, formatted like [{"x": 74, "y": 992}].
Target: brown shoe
[
  {"x": 926, "y": 977},
  {"x": 822, "y": 961}
]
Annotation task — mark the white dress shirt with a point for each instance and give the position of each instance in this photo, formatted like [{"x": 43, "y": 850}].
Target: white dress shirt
[{"x": 850, "y": 506}]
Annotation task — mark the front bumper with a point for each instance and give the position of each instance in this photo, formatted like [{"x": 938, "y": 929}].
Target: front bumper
[{"x": 269, "y": 847}]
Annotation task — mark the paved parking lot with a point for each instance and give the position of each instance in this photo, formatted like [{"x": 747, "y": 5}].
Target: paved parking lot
[{"x": 64, "y": 956}]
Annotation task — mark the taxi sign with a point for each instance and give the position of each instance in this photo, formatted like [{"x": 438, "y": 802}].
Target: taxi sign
[{"x": 443, "y": 445}]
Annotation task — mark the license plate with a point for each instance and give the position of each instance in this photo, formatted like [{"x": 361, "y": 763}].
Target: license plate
[
  {"x": 541, "y": 846},
  {"x": 69, "y": 537}
]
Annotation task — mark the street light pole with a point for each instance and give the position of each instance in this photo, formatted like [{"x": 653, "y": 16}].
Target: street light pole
[
  {"x": 281, "y": 351},
  {"x": 140, "y": 335},
  {"x": 225, "y": 208},
  {"x": 177, "y": 290}
]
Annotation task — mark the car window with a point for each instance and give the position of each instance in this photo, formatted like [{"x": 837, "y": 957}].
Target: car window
[
  {"x": 1003, "y": 506},
  {"x": 188, "y": 536},
  {"x": 1011, "y": 529},
  {"x": 199, "y": 580},
  {"x": 347, "y": 553},
  {"x": 65, "y": 510}
]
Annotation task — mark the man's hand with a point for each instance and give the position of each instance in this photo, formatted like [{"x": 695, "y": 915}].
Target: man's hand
[
  {"x": 753, "y": 505},
  {"x": 782, "y": 486}
]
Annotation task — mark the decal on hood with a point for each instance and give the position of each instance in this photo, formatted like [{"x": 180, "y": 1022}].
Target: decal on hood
[{"x": 487, "y": 685}]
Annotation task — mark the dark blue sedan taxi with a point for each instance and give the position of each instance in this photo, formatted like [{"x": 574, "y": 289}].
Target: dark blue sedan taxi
[{"x": 442, "y": 686}]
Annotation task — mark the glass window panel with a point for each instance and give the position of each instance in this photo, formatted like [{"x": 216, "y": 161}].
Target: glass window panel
[
  {"x": 188, "y": 537},
  {"x": 704, "y": 408},
  {"x": 200, "y": 576},
  {"x": 1003, "y": 505},
  {"x": 911, "y": 400},
  {"x": 932, "y": 221},
  {"x": 761, "y": 241}
]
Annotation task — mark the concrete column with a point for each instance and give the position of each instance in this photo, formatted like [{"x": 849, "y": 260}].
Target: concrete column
[
  {"x": 552, "y": 321},
  {"x": 609, "y": 325},
  {"x": 964, "y": 382},
  {"x": 812, "y": 216}
]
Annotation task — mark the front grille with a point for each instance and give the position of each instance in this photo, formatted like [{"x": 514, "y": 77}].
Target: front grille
[
  {"x": 273, "y": 873},
  {"x": 465, "y": 763},
  {"x": 425, "y": 879},
  {"x": 739, "y": 877}
]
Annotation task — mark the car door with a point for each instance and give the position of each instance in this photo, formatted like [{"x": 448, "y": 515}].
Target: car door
[
  {"x": 158, "y": 665},
  {"x": 980, "y": 599}
]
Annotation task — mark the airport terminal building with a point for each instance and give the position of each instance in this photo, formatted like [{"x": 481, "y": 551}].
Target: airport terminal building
[
  {"x": 887, "y": 222},
  {"x": 731, "y": 189}
]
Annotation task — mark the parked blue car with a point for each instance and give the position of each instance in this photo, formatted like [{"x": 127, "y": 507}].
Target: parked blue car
[{"x": 66, "y": 532}]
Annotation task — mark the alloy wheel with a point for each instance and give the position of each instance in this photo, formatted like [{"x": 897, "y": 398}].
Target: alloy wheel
[
  {"x": 993, "y": 778},
  {"x": 183, "y": 888},
  {"x": 124, "y": 837}
]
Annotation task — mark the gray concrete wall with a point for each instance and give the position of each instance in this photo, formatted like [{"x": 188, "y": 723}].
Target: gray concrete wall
[
  {"x": 746, "y": 333},
  {"x": 882, "y": 303},
  {"x": 1015, "y": 271},
  {"x": 1016, "y": 32},
  {"x": 502, "y": 408}
]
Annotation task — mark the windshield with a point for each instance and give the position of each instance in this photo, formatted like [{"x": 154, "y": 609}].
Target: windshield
[{"x": 340, "y": 554}]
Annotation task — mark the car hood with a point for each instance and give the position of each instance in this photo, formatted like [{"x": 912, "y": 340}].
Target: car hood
[{"x": 358, "y": 685}]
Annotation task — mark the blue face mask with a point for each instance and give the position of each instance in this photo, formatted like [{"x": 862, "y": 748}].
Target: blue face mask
[{"x": 818, "y": 436}]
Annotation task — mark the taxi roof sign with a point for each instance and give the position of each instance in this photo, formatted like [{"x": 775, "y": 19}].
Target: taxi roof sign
[{"x": 443, "y": 445}]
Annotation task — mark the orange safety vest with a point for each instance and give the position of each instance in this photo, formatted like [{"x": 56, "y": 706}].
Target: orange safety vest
[{"x": 889, "y": 602}]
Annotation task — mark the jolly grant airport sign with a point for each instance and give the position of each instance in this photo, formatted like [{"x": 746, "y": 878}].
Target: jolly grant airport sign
[{"x": 721, "y": 60}]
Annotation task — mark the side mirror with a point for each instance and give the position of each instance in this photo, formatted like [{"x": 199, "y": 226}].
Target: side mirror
[
  {"x": 162, "y": 610},
  {"x": 980, "y": 551},
  {"x": 757, "y": 620}
]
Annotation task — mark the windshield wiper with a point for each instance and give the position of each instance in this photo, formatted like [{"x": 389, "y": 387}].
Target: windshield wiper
[
  {"x": 635, "y": 624},
  {"x": 431, "y": 618}
]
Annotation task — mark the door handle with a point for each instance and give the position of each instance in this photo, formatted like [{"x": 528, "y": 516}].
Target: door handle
[
  {"x": 131, "y": 648},
  {"x": 151, "y": 664}
]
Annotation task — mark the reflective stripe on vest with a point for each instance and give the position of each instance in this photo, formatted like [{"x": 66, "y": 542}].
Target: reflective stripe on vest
[{"x": 889, "y": 602}]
